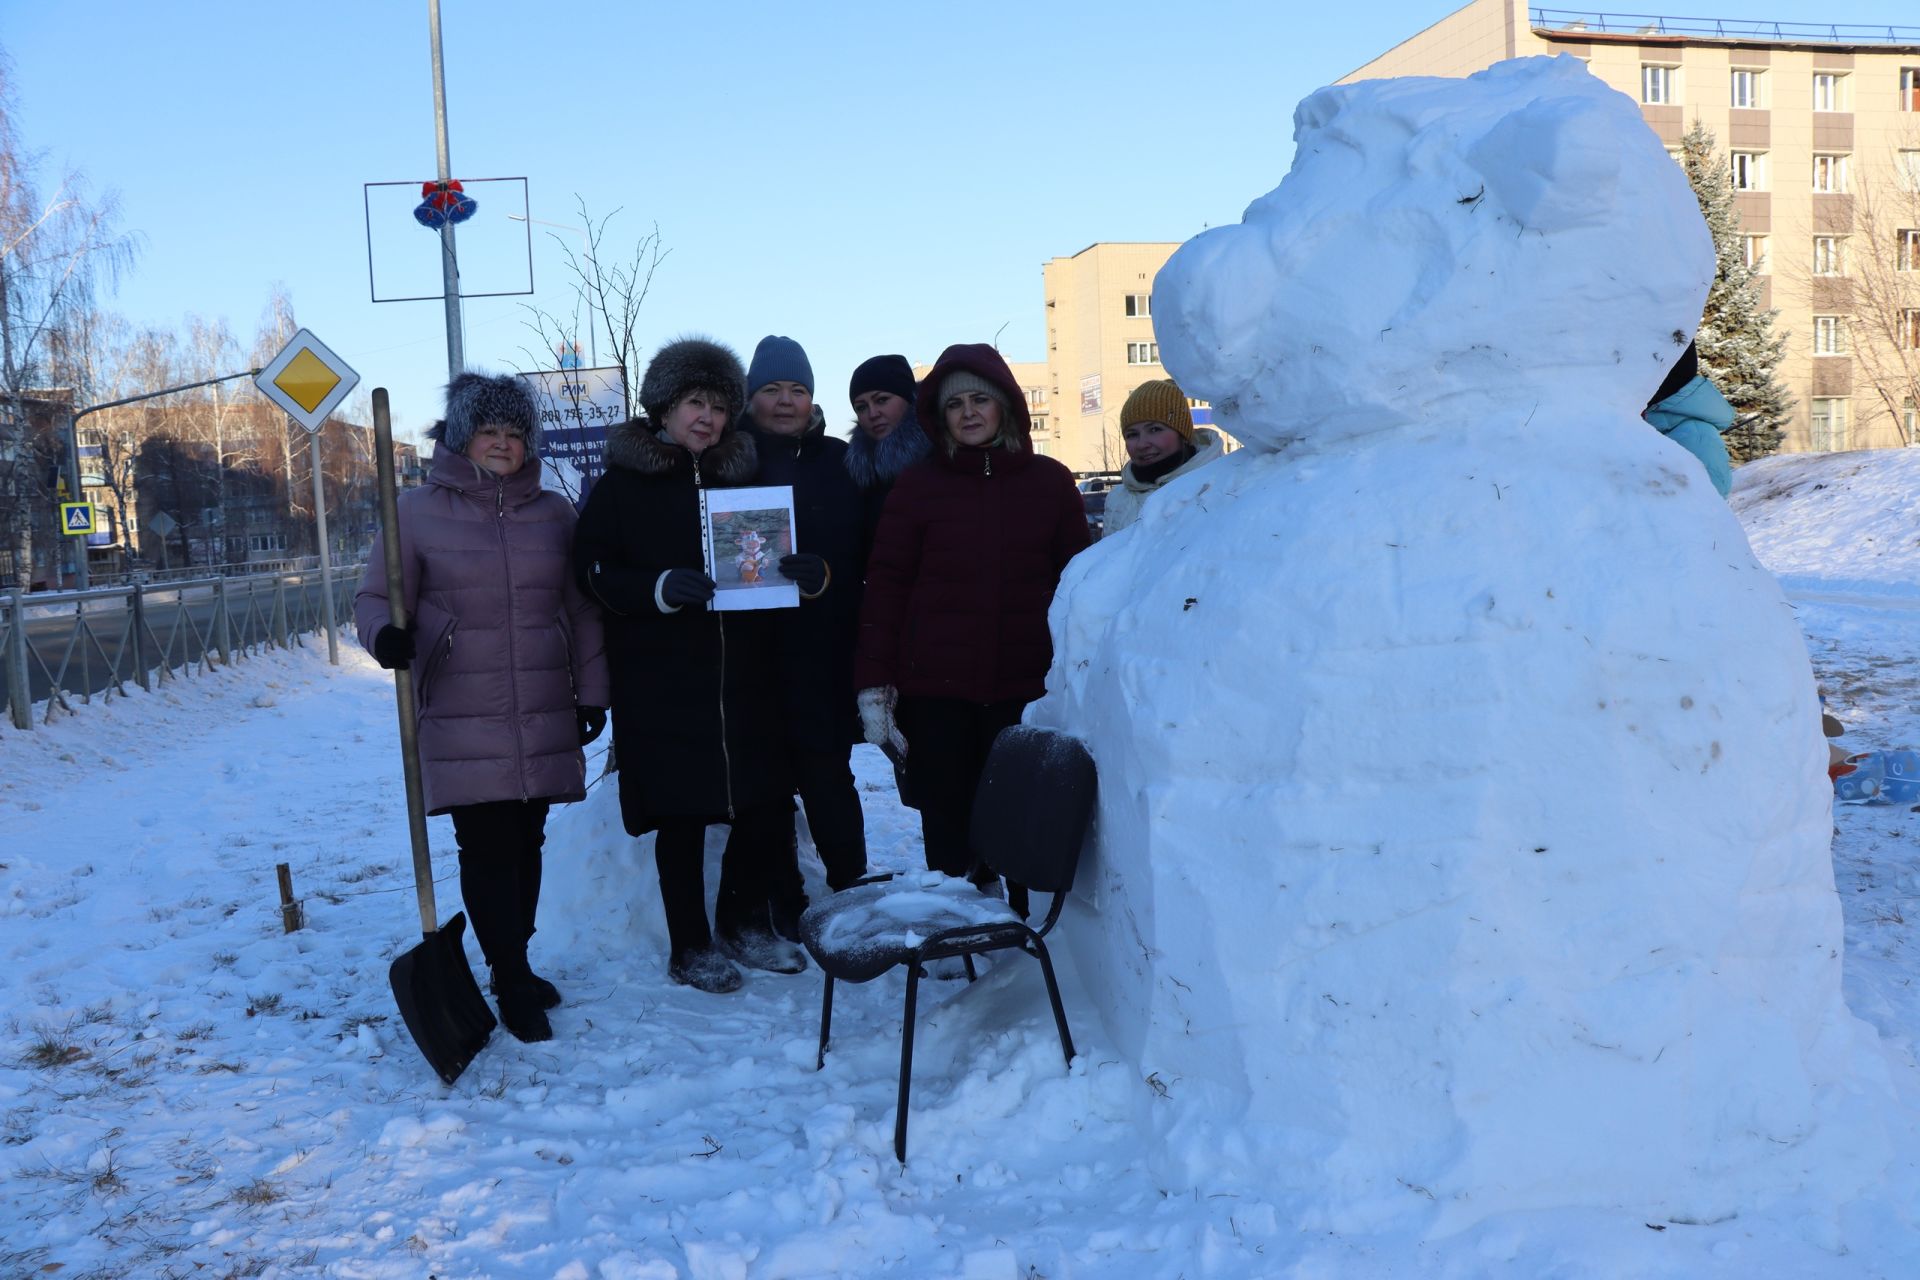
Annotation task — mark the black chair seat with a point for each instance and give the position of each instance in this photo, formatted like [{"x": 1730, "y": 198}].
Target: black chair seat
[
  {"x": 1030, "y": 815},
  {"x": 861, "y": 932}
]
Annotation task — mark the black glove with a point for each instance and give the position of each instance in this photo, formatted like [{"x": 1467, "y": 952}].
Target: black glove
[
  {"x": 683, "y": 587},
  {"x": 806, "y": 570},
  {"x": 392, "y": 647},
  {"x": 592, "y": 721}
]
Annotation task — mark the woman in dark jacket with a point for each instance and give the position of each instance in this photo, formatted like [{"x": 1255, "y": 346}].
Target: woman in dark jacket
[
  {"x": 953, "y": 631},
  {"x": 887, "y": 438},
  {"x": 696, "y": 701},
  {"x": 508, "y": 664}
]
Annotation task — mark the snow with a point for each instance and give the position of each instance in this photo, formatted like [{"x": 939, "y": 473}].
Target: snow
[
  {"x": 240, "y": 1097},
  {"x": 1464, "y": 826},
  {"x": 185, "y": 1089}
]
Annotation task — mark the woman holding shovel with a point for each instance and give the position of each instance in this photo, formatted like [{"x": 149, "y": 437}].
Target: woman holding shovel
[{"x": 508, "y": 663}]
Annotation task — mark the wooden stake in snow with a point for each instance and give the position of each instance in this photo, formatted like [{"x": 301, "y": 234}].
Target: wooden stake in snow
[{"x": 290, "y": 915}]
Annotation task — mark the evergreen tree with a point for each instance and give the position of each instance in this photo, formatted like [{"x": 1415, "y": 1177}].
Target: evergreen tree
[{"x": 1738, "y": 348}]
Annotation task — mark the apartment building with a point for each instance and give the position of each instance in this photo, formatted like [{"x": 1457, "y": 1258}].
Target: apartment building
[
  {"x": 1821, "y": 124},
  {"x": 1100, "y": 346}
]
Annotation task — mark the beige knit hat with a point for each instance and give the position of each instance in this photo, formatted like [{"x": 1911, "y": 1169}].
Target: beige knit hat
[{"x": 1158, "y": 401}]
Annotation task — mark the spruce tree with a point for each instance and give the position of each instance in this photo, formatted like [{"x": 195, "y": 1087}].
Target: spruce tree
[{"x": 1738, "y": 348}]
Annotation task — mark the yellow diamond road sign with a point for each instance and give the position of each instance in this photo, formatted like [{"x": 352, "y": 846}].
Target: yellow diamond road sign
[{"x": 307, "y": 380}]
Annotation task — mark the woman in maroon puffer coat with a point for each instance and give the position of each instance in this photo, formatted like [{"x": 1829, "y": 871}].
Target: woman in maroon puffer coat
[
  {"x": 953, "y": 629},
  {"x": 509, "y": 666}
]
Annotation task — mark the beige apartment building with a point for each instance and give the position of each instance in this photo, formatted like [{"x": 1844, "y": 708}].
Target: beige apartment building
[
  {"x": 1100, "y": 346},
  {"x": 1821, "y": 125}
]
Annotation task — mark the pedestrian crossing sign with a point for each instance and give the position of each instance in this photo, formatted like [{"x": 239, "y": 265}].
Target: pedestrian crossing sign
[{"x": 76, "y": 517}]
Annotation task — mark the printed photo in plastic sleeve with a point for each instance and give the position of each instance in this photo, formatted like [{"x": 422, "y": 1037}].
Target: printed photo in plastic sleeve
[{"x": 745, "y": 533}]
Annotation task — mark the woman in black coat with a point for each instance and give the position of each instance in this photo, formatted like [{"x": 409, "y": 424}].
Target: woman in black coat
[{"x": 696, "y": 704}]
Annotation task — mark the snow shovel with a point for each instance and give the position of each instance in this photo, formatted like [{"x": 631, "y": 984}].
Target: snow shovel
[{"x": 432, "y": 983}]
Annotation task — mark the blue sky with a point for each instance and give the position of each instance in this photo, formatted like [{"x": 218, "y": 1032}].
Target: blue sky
[{"x": 863, "y": 177}]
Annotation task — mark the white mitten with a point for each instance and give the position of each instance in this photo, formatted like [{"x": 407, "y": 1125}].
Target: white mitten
[{"x": 876, "y": 719}]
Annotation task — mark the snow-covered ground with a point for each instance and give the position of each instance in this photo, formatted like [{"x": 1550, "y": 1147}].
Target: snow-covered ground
[{"x": 185, "y": 1090}]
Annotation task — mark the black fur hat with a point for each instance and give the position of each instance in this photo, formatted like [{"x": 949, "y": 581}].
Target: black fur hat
[
  {"x": 692, "y": 364},
  {"x": 475, "y": 400}
]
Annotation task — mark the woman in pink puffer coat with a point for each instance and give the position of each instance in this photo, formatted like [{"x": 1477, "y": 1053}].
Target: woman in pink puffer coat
[{"x": 509, "y": 666}]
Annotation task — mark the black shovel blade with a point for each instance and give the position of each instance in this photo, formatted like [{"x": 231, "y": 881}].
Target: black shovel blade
[{"x": 444, "y": 1010}]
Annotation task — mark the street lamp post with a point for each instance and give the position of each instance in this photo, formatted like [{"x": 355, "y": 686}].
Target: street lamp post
[{"x": 449, "y": 264}]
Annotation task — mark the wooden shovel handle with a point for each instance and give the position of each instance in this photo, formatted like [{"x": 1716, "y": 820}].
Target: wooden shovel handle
[{"x": 403, "y": 676}]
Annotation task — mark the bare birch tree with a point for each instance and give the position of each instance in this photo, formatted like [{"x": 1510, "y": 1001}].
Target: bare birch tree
[{"x": 57, "y": 248}]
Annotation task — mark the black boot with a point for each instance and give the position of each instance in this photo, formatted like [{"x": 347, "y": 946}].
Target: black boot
[
  {"x": 549, "y": 994},
  {"x": 522, "y": 1008},
  {"x": 704, "y": 969}
]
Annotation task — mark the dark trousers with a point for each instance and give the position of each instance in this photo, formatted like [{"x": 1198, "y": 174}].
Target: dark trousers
[
  {"x": 839, "y": 828},
  {"x": 500, "y": 843},
  {"x": 947, "y": 744},
  {"x": 756, "y": 843}
]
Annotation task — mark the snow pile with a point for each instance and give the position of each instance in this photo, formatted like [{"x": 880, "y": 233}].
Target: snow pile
[
  {"x": 1845, "y": 523},
  {"x": 1447, "y": 865}
]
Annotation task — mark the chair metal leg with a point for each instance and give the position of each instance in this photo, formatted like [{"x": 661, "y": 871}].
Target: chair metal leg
[
  {"x": 1053, "y": 994},
  {"x": 967, "y": 960},
  {"x": 906, "y": 1064},
  {"x": 826, "y": 1021}
]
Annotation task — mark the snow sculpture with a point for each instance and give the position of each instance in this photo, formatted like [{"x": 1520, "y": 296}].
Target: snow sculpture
[{"x": 1464, "y": 817}]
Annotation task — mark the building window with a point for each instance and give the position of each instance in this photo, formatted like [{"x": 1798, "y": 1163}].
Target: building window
[
  {"x": 1757, "y": 254},
  {"x": 1143, "y": 353},
  {"x": 1909, "y": 167},
  {"x": 1910, "y": 421},
  {"x": 1036, "y": 397},
  {"x": 1659, "y": 86},
  {"x": 1908, "y": 249},
  {"x": 1139, "y": 304},
  {"x": 1910, "y": 329},
  {"x": 1826, "y": 256},
  {"x": 1829, "y": 336},
  {"x": 1829, "y": 91},
  {"x": 1830, "y": 174},
  {"x": 1910, "y": 88},
  {"x": 1749, "y": 170},
  {"x": 267, "y": 542},
  {"x": 1746, "y": 89},
  {"x": 1040, "y": 425},
  {"x": 1827, "y": 423}
]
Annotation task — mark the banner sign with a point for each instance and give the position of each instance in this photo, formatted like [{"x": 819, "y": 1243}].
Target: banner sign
[{"x": 576, "y": 408}]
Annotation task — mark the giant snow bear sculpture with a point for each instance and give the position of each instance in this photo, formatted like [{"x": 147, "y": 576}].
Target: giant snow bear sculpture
[{"x": 1463, "y": 825}]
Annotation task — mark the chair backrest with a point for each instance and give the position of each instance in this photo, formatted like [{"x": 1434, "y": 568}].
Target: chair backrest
[{"x": 1031, "y": 810}]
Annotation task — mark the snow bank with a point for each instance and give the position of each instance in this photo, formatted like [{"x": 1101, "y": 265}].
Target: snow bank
[
  {"x": 1835, "y": 523},
  {"x": 1448, "y": 863}
]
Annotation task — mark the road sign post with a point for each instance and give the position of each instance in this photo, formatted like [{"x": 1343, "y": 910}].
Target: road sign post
[{"x": 309, "y": 381}]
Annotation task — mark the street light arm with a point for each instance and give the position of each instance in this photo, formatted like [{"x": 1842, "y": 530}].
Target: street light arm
[{"x": 165, "y": 391}]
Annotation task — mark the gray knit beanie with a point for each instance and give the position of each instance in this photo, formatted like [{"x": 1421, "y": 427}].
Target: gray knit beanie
[{"x": 960, "y": 380}]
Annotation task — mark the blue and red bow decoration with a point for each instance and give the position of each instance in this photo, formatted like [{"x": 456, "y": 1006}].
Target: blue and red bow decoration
[{"x": 443, "y": 203}]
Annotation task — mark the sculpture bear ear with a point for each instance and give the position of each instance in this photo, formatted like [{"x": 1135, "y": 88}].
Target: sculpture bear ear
[{"x": 1552, "y": 166}]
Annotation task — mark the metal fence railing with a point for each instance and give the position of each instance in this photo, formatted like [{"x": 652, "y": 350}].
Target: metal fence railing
[
  {"x": 1567, "y": 21},
  {"x": 58, "y": 646}
]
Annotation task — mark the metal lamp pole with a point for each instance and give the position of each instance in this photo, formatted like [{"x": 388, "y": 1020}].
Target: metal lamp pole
[{"x": 449, "y": 264}]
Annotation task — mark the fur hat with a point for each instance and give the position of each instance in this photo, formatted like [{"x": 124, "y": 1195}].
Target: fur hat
[
  {"x": 692, "y": 364},
  {"x": 476, "y": 400},
  {"x": 882, "y": 373},
  {"x": 779, "y": 359},
  {"x": 1159, "y": 401}
]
